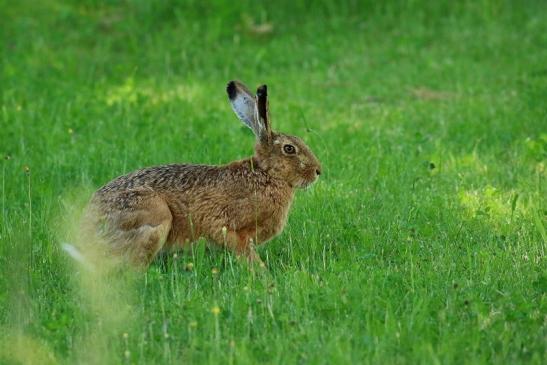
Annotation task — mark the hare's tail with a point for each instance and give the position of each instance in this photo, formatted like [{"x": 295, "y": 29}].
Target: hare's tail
[{"x": 77, "y": 255}]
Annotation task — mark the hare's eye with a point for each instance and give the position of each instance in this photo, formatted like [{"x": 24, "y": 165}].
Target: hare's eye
[{"x": 289, "y": 149}]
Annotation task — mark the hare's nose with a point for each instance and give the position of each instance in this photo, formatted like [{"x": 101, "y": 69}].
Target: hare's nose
[{"x": 318, "y": 172}]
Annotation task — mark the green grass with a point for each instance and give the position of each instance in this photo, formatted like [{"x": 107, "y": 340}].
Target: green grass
[{"x": 423, "y": 242}]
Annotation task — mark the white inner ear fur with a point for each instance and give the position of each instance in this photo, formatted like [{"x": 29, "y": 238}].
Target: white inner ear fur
[{"x": 245, "y": 108}]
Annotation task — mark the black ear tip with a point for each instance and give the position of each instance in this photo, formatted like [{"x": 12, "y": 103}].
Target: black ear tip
[
  {"x": 231, "y": 89},
  {"x": 262, "y": 91}
]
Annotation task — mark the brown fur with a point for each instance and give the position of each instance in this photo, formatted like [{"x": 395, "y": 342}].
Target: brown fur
[{"x": 238, "y": 205}]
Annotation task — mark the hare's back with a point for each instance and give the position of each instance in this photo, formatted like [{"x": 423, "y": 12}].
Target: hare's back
[{"x": 163, "y": 178}]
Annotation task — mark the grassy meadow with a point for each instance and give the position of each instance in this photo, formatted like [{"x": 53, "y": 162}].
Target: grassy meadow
[{"x": 424, "y": 241}]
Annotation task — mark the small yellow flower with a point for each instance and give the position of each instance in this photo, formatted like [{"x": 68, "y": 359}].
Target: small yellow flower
[
  {"x": 215, "y": 310},
  {"x": 189, "y": 266},
  {"x": 214, "y": 271}
]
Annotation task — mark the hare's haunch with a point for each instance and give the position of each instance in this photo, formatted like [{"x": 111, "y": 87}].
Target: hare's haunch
[{"x": 238, "y": 205}]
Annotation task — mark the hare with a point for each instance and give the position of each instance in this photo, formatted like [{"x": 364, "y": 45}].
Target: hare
[{"x": 237, "y": 205}]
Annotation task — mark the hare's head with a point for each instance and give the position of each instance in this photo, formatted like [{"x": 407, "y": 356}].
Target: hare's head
[{"x": 282, "y": 156}]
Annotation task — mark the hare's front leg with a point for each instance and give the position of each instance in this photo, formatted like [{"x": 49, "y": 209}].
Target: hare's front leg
[{"x": 241, "y": 242}]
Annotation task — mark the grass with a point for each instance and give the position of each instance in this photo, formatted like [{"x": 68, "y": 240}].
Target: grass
[{"x": 423, "y": 242}]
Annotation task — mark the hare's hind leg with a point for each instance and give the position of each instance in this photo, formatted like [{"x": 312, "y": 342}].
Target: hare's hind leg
[
  {"x": 147, "y": 241},
  {"x": 138, "y": 224}
]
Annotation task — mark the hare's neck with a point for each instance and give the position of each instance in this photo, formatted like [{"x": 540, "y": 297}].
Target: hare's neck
[
  {"x": 257, "y": 165},
  {"x": 263, "y": 176}
]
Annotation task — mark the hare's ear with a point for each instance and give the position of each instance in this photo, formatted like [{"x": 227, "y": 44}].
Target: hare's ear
[
  {"x": 263, "y": 113},
  {"x": 243, "y": 104}
]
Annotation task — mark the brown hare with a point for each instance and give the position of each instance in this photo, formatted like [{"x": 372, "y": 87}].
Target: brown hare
[{"x": 238, "y": 205}]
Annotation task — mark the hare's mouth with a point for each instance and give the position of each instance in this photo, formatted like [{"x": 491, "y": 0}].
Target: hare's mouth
[{"x": 306, "y": 184}]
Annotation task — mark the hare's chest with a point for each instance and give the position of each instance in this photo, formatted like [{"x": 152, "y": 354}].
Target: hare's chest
[{"x": 272, "y": 218}]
